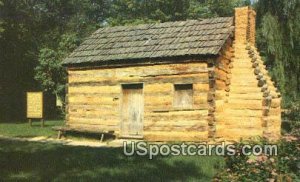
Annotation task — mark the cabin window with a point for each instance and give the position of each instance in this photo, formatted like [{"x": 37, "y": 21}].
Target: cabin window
[{"x": 183, "y": 95}]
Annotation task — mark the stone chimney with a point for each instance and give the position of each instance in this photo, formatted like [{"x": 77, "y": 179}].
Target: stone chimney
[{"x": 245, "y": 25}]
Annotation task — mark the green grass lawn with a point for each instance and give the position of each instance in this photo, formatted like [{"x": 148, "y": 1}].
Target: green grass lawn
[
  {"x": 34, "y": 161},
  {"x": 44, "y": 162},
  {"x": 24, "y": 130}
]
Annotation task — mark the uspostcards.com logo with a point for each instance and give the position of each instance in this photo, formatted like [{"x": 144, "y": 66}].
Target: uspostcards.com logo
[{"x": 203, "y": 149}]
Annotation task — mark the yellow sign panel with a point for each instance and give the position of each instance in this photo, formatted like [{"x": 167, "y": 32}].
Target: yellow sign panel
[{"x": 34, "y": 104}]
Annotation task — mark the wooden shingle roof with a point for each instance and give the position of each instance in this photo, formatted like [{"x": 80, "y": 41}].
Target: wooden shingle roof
[{"x": 149, "y": 41}]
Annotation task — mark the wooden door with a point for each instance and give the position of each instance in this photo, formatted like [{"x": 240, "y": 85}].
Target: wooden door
[{"x": 132, "y": 110}]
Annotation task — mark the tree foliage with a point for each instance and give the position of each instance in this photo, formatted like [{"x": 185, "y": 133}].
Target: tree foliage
[
  {"x": 1, "y": 21},
  {"x": 36, "y": 35},
  {"x": 125, "y": 12},
  {"x": 31, "y": 29},
  {"x": 49, "y": 72},
  {"x": 279, "y": 40}
]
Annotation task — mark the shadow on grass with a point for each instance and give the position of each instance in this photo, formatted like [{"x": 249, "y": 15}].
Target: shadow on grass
[
  {"x": 25, "y": 130},
  {"x": 35, "y": 123},
  {"x": 42, "y": 161},
  {"x": 93, "y": 136}
]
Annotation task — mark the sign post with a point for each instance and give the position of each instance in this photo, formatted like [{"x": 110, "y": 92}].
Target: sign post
[{"x": 35, "y": 107}]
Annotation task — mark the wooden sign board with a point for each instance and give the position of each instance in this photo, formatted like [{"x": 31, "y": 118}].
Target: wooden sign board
[{"x": 35, "y": 105}]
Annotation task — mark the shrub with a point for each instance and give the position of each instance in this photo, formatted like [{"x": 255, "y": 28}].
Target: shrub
[
  {"x": 292, "y": 118},
  {"x": 283, "y": 167}
]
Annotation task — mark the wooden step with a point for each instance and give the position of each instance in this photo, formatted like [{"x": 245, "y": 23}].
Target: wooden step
[
  {"x": 242, "y": 61},
  {"x": 235, "y": 134},
  {"x": 244, "y": 84},
  {"x": 242, "y": 58},
  {"x": 235, "y": 73},
  {"x": 238, "y": 101},
  {"x": 246, "y": 96},
  {"x": 240, "y": 122},
  {"x": 242, "y": 112},
  {"x": 249, "y": 78},
  {"x": 242, "y": 70},
  {"x": 238, "y": 57},
  {"x": 242, "y": 65},
  {"x": 245, "y": 104},
  {"x": 244, "y": 90},
  {"x": 241, "y": 50}
]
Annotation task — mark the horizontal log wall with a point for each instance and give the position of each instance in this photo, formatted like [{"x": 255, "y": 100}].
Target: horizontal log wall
[
  {"x": 94, "y": 99},
  {"x": 271, "y": 102},
  {"x": 247, "y": 102},
  {"x": 223, "y": 80}
]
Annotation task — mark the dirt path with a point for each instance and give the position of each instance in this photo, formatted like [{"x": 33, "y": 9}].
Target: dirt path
[{"x": 70, "y": 142}]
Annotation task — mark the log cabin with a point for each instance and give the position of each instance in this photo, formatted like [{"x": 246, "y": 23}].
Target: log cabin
[{"x": 193, "y": 80}]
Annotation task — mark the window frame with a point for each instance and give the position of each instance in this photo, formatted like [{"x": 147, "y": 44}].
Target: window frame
[{"x": 191, "y": 105}]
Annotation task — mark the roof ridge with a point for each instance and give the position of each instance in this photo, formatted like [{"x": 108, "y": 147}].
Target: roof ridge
[{"x": 149, "y": 25}]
